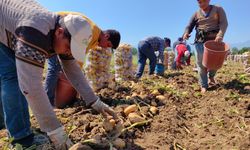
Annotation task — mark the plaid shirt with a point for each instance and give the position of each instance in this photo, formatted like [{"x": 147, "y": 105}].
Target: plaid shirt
[{"x": 157, "y": 44}]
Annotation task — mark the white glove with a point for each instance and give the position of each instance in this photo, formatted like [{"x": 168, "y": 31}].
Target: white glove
[
  {"x": 157, "y": 53},
  {"x": 60, "y": 139},
  {"x": 104, "y": 109}
]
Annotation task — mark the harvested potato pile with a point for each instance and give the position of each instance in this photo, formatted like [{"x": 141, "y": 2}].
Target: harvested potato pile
[
  {"x": 166, "y": 59},
  {"x": 97, "y": 68},
  {"x": 123, "y": 63},
  {"x": 171, "y": 57}
]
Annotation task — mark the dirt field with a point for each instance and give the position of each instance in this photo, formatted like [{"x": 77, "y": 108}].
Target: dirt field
[{"x": 187, "y": 119}]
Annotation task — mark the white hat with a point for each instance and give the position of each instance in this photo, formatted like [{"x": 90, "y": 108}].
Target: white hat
[
  {"x": 80, "y": 31},
  {"x": 187, "y": 54}
]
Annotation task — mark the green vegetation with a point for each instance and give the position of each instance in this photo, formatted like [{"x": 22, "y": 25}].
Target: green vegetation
[{"x": 236, "y": 51}]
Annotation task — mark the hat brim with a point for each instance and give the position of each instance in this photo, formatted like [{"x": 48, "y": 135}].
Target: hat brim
[{"x": 78, "y": 51}]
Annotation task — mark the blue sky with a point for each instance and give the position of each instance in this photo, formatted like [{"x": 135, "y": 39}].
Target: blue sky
[{"x": 137, "y": 19}]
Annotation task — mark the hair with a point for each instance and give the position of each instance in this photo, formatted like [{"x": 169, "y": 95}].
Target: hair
[
  {"x": 114, "y": 37},
  {"x": 167, "y": 40},
  {"x": 61, "y": 24},
  {"x": 180, "y": 39}
]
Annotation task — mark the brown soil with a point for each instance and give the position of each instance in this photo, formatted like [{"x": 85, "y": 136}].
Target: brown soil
[{"x": 187, "y": 119}]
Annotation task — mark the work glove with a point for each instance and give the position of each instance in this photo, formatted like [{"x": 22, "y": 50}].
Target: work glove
[
  {"x": 104, "y": 109},
  {"x": 60, "y": 139}
]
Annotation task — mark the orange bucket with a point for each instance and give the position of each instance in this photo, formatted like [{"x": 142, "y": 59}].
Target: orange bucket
[
  {"x": 214, "y": 54},
  {"x": 65, "y": 93}
]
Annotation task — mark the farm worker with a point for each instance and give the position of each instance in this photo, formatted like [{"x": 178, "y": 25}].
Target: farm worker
[
  {"x": 147, "y": 49},
  {"x": 178, "y": 42},
  {"x": 54, "y": 67},
  {"x": 182, "y": 56},
  {"x": 211, "y": 23},
  {"x": 29, "y": 34}
]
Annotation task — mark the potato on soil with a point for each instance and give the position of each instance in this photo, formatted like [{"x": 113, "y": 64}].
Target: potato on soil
[
  {"x": 130, "y": 109},
  {"x": 154, "y": 110},
  {"x": 161, "y": 97},
  {"x": 108, "y": 125},
  {"x": 135, "y": 118}
]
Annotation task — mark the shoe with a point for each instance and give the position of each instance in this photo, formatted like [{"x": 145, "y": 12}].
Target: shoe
[
  {"x": 212, "y": 81},
  {"x": 31, "y": 141}
]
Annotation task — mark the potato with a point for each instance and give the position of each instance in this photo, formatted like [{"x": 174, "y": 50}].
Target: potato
[
  {"x": 134, "y": 95},
  {"x": 119, "y": 143},
  {"x": 153, "y": 110},
  {"x": 128, "y": 97},
  {"x": 130, "y": 109},
  {"x": 112, "y": 121},
  {"x": 161, "y": 97},
  {"x": 134, "y": 118},
  {"x": 108, "y": 126},
  {"x": 143, "y": 96},
  {"x": 156, "y": 93}
]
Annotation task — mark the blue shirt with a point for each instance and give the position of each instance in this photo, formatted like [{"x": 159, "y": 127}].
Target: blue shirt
[{"x": 158, "y": 44}]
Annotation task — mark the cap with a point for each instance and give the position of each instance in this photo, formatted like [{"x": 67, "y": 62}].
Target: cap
[{"x": 80, "y": 31}]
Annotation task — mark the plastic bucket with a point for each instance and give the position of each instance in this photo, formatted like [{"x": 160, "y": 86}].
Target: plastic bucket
[
  {"x": 65, "y": 93},
  {"x": 159, "y": 69},
  {"x": 214, "y": 54}
]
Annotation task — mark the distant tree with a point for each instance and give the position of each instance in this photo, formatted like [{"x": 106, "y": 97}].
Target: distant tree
[
  {"x": 243, "y": 50},
  {"x": 134, "y": 51},
  {"x": 235, "y": 51}
]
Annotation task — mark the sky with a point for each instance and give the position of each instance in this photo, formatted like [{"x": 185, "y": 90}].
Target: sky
[{"x": 138, "y": 19}]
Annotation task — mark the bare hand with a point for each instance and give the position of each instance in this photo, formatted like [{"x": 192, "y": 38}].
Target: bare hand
[
  {"x": 218, "y": 39},
  {"x": 186, "y": 36}
]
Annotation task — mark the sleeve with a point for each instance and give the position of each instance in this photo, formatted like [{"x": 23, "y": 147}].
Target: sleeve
[
  {"x": 30, "y": 83},
  {"x": 223, "y": 22},
  {"x": 191, "y": 24},
  {"x": 76, "y": 77},
  {"x": 31, "y": 46}
]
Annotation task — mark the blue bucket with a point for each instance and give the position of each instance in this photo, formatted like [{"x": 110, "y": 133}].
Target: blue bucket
[{"x": 159, "y": 69}]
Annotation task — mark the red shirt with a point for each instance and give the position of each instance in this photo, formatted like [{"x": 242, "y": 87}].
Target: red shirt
[{"x": 181, "y": 48}]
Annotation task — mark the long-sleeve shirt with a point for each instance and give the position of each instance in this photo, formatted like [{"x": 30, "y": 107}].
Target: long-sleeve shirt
[
  {"x": 28, "y": 29},
  {"x": 216, "y": 20},
  {"x": 157, "y": 44}
]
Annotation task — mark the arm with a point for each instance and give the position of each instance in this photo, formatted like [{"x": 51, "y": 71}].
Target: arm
[
  {"x": 191, "y": 24},
  {"x": 222, "y": 23},
  {"x": 30, "y": 83},
  {"x": 76, "y": 77}
]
